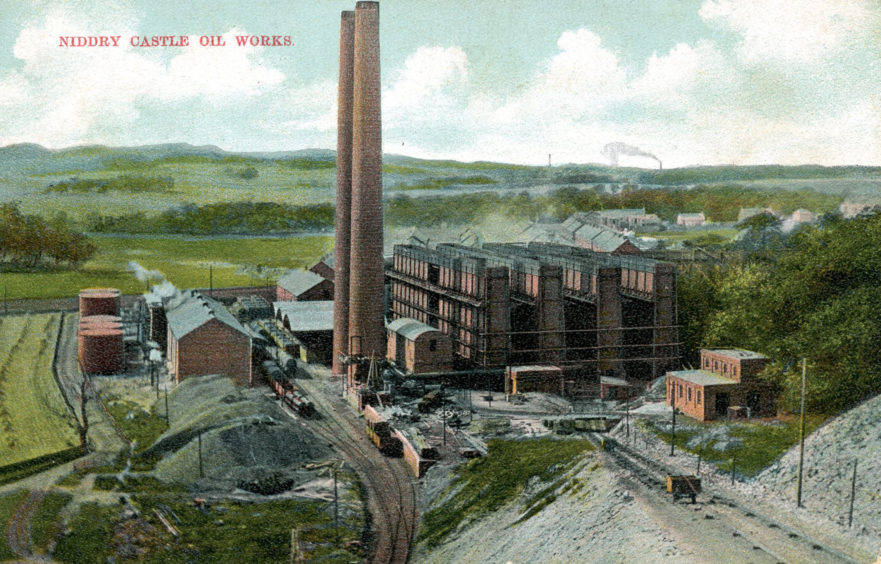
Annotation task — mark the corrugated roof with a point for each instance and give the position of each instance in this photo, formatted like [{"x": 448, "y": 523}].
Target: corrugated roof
[
  {"x": 699, "y": 215},
  {"x": 299, "y": 281},
  {"x": 410, "y": 328},
  {"x": 191, "y": 310},
  {"x": 702, "y": 377},
  {"x": 304, "y": 317}
]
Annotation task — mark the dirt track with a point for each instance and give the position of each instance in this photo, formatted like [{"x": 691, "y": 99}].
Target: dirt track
[{"x": 18, "y": 534}]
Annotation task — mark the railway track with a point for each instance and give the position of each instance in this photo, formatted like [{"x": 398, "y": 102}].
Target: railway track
[
  {"x": 768, "y": 535},
  {"x": 391, "y": 494}
]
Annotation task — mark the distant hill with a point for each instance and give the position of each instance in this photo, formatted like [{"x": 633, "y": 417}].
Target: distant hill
[{"x": 28, "y": 159}]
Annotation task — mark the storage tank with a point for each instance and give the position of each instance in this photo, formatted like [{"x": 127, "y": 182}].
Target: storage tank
[
  {"x": 99, "y": 301},
  {"x": 101, "y": 350}
]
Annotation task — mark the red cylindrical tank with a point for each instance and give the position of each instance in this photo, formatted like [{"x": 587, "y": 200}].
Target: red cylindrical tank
[
  {"x": 101, "y": 350},
  {"x": 99, "y": 301},
  {"x": 101, "y": 321}
]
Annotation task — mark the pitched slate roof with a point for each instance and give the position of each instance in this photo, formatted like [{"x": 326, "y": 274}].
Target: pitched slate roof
[
  {"x": 299, "y": 281},
  {"x": 190, "y": 310}
]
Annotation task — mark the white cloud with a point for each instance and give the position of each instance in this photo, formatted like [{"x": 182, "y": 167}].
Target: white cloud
[
  {"x": 431, "y": 80},
  {"x": 794, "y": 30},
  {"x": 67, "y": 95}
]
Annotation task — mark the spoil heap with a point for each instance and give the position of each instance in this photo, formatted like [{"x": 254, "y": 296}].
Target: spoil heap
[
  {"x": 830, "y": 453},
  {"x": 246, "y": 437}
]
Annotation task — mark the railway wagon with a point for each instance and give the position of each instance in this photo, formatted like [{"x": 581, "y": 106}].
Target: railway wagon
[
  {"x": 380, "y": 432},
  {"x": 276, "y": 378},
  {"x": 298, "y": 402},
  {"x": 417, "y": 462},
  {"x": 684, "y": 486}
]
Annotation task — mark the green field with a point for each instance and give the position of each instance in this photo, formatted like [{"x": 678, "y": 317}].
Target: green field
[
  {"x": 34, "y": 419},
  {"x": 183, "y": 261}
]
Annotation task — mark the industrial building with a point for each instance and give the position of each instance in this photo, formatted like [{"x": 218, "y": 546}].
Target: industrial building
[
  {"x": 303, "y": 285},
  {"x": 417, "y": 347},
  {"x": 311, "y": 326},
  {"x": 581, "y": 230},
  {"x": 542, "y": 304},
  {"x": 205, "y": 338},
  {"x": 726, "y": 385},
  {"x": 324, "y": 267}
]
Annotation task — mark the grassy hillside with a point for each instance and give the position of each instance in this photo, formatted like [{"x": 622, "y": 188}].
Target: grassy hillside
[{"x": 83, "y": 181}]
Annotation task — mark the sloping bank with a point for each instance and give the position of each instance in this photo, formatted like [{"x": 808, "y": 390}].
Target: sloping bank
[{"x": 536, "y": 500}]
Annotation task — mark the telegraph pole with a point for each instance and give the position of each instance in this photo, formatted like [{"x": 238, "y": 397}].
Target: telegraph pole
[
  {"x": 673, "y": 429},
  {"x": 801, "y": 448},
  {"x": 853, "y": 491},
  {"x": 201, "y": 473}
]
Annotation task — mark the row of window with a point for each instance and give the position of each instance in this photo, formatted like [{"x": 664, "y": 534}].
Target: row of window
[{"x": 687, "y": 390}]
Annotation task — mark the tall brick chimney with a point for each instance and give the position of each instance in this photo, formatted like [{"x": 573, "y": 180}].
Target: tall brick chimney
[
  {"x": 366, "y": 327},
  {"x": 343, "y": 214}
]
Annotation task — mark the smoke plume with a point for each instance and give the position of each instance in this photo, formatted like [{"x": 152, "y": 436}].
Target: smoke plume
[
  {"x": 612, "y": 150},
  {"x": 161, "y": 288}
]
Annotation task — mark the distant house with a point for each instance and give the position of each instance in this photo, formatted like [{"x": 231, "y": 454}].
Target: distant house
[
  {"x": 726, "y": 383},
  {"x": 850, "y": 209},
  {"x": 624, "y": 219},
  {"x": 205, "y": 338},
  {"x": 691, "y": 219},
  {"x": 586, "y": 234},
  {"x": 303, "y": 285},
  {"x": 324, "y": 267},
  {"x": 802, "y": 216},
  {"x": 746, "y": 213}
]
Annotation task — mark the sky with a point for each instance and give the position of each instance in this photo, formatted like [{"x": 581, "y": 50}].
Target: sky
[{"x": 690, "y": 81}]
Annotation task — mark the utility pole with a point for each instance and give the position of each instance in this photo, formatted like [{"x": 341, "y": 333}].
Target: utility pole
[
  {"x": 211, "y": 280},
  {"x": 336, "y": 508},
  {"x": 853, "y": 491},
  {"x": 700, "y": 454},
  {"x": 627, "y": 412},
  {"x": 801, "y": 448},
  {"x": 673, "y": 429},
  {"x": 166, "y": 405},
  {"x": 733, "y": 461},
  {"x": 444, "y": 412},
  {"x": 5, "y": 300},
  {"x": 201, "y": 473}
]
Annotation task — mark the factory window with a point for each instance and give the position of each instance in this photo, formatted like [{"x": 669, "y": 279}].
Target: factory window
[
  {"x": 432, "y": 345},
  {"x": 689, "y": 394},
  {"x": 698, "y": 397},
  {"x": 725, "y": 368},
  {"x": 680, "y": 390}
]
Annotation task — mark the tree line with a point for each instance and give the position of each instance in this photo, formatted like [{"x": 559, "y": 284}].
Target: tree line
[
  {"x": 815, "y": 298},
  {"x": 32, "y": 241}
]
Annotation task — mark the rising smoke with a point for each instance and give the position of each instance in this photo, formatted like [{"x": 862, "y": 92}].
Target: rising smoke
[
  {"x": 161, "y": 288},
  {"x": 612, "y": 150}
]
